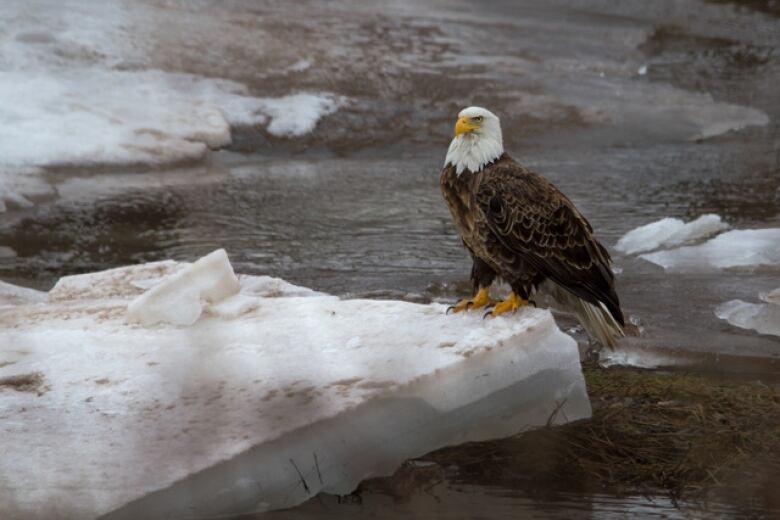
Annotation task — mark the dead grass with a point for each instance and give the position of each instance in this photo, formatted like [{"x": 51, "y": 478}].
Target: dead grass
[{"x": 651, "y": 432}]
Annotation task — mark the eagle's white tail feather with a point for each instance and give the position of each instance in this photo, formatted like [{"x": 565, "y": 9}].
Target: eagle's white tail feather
[
  {"x": 599, "y": 324},
  {"x": 595, "y": 319}
]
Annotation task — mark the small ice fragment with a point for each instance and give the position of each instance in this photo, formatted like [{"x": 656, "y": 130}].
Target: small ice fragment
[
  {"x": 771, "y": 297},
  {"x": 669, "y": 232},
  {"x": 642, "y": 70},
  {"x": 234, "y": 401},
  {"x": 179, "y": 298},
  {"x": 300, "y": 65},
  {"x": 233, "y": 306},
  {"x": 763, "y": 318}
]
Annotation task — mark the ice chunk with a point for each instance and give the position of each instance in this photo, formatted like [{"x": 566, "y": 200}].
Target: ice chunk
[
  {"x": 744, "y": 248},
  {"x": 299, "y": 393},
  {"x": 771, "y": 296},
  {"x": 179, "y": 298},
  {"x": 669, "y": 232},
  {"x": 764, "y": 318},
  {"x": 297, "y": 114}
]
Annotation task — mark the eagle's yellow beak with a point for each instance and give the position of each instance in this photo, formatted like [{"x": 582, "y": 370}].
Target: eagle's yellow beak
[{"x": 465, "y": 125}]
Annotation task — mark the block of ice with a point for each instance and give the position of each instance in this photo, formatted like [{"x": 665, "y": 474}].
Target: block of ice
[
  {"x": 669, "y": 232},
  {"x": 736, "y": 249},
  {"x": 771, "y": 296},
  {"x": 272, "y": 396},
  {"x": 764, "y": 318},
  {"x": 179, "y": 298}
]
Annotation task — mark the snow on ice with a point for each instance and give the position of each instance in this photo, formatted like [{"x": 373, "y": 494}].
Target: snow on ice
[
  {"x": 78, "y": 87},
  {"x": 736, "y": 249},
  {"x": 669, "y": 232},
  {"x": 118, "y": 418},
  {"x": 764, "y": 318}
]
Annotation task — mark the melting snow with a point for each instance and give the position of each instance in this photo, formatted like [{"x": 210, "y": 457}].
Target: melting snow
[
  {"x": 79, "y": 88},
  {"x": 744, "y": 249},
  {"x": 273, "y": 395},
  {"x": 764, "y": 318},
  {"x": 669, "y": 232}
]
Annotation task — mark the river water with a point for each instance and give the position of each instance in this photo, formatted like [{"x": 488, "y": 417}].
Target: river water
[{"x": 638, "y": 112}]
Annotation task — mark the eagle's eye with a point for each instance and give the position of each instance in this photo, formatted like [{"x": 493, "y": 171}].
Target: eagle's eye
[{"x": 477, "y": 119}]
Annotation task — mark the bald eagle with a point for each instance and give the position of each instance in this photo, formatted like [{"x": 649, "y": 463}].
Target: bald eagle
[{"x": 520, "y": 228}]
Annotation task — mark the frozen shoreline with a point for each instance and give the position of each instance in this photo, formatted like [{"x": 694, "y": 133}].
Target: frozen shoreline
[{"x": 115, "y": 416}]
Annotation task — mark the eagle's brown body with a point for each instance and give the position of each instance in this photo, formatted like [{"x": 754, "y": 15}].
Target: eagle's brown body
[{"x": 520, "y": 227}]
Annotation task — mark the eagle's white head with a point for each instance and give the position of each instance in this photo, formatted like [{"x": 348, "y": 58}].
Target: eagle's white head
[{"x": 477, "y": 140}]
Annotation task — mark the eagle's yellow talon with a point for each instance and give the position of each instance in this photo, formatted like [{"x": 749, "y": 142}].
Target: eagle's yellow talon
[
  {"x": 511, "y": 304},
  {"x": 479, "y": 300}
]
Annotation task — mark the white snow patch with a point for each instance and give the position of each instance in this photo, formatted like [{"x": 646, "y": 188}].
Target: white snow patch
[
  {"x": 78, "y": 87},
  {"x": 737, "y": 249},
  {"x": 669, "y": 232},
  {"x": 179, "y": 298},
  {"x": 298, "y": 114},
  {"x": 642, "y": 70},
  {"x": 764, "y": 318},
  {"x": 174, "y": 422},
  {"x": 92, "y": 116}
]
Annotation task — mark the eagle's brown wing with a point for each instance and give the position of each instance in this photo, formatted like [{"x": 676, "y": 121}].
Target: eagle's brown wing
[{"x": 533, "y": 219}]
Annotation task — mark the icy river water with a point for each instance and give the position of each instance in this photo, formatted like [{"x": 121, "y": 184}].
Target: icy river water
[{"x": 638, "y": 112}]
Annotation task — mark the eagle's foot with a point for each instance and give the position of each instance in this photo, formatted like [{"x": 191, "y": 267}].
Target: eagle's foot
[
  {"x": 479, "y": 300},
  {"x": 511, "y": 304}
]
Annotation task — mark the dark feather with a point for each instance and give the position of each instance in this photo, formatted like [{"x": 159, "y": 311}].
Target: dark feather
[{"x": 537, "y": 222}]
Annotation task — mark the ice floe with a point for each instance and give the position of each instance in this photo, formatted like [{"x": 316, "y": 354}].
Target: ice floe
[
  {"x": 669, "y": 232},
  {"x": 79, "y": 86},
  {"x": 736, "y": 249},
  {"x": 274, "y": 394},
  {"x": 764, "y": 318},
  {"x": 89, "y": 116}
]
